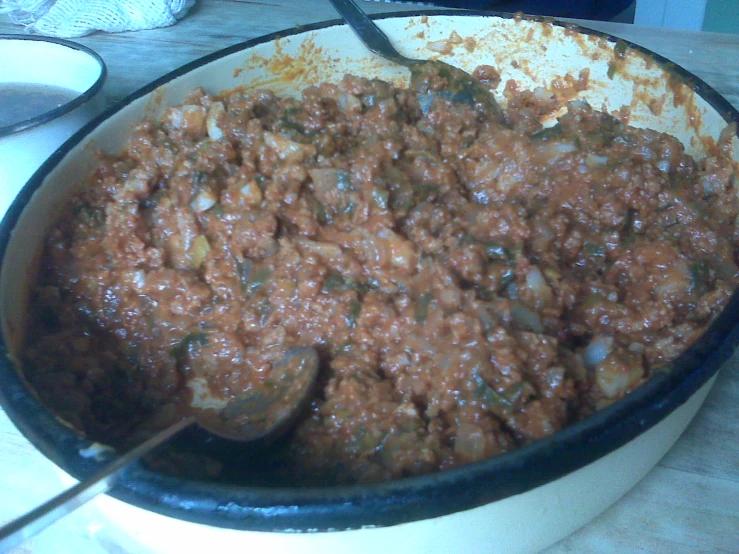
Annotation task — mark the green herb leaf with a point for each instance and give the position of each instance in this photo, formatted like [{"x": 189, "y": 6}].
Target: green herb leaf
[
  {"x": 594, "y": 251},
  {"x": 349, "y": 208},
  {"x": 499, "y": 253},
  {"x": 191, "y": 339},
  {"x": 351, "y": 317},
  {"x": 92, "y": 217},
  {"x": 380, "y": 197},
  {"x": 264, "y": 309},
  {"x": 245, "y": 270},
  {"x": 260, "y": 277},
  {"x": 620, "y": 48},
  {"x": 322, "y": 215},
  {"x": 548, "y": 133},
  {"x": 518, "y": 391},
  {"x": 154, "y": 199},
  {"x": 701, "y": 277},
  {"x": 343, "y": 180},
  {"x": 335, "y": 281},
  {"x": 612, "y": 67},
  {"x": 494, "y": 401},
  {"x": 261, "y": 182},
  {"x": 423, "y": 191},
  {"x": 216, "y": 210},
  {"x": 422, "y": 307},
  {"x": 508, "y": 277}
]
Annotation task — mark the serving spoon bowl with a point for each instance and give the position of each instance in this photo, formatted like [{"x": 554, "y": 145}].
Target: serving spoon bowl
[{"x": 258, "y": 415}]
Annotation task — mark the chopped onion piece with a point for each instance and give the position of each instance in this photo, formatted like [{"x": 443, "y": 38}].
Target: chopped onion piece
[
  {"x": 540, "y": 93},
  {"x": 598, "y": 350},
  {"x": 511, "y": 291},
  {"x": 287, "y": 150},
  {"x": 664, "y": 166},
  {"x": 469, "y": 443},
  {"x": 538, "y": 285},
  {"x": 325, "y": 250},
  {"x": 617, "y": 375},
  {"x": 441, "y": 46},
  {"x": 326, "y": 179},
  {"x": 252, "y": 193},
  {"x": 211, "y": 121},
  {"x": 204, "y": 200},
  {"x": 139, "y": 279},
  {"x": 594, "y": 161},
  {"x": 198, "y": 251},
  {"x": 349, "y": 103},
  {"x": 554, "y": 150},
  {"x": 189, "y": 118}
]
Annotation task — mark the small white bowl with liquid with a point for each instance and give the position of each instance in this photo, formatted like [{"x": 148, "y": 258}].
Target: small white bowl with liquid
[{"x": 49, "y": 88}]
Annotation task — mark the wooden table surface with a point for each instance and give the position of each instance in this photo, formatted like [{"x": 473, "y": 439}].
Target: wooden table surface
[{"x": 688, "y": 503}]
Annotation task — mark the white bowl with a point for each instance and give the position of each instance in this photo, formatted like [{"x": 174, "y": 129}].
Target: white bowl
[
  {"x": 517, "y": 502},
  {"x": 42, "y": 61}
]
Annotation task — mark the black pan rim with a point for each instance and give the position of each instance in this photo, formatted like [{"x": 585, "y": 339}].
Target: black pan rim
[{"x": 395, "y": 502}]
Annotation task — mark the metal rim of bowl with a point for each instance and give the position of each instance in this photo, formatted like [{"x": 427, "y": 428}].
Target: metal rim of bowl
[
  {"x": 67, "y": 107},
  {"x": 394, "y": 502}
]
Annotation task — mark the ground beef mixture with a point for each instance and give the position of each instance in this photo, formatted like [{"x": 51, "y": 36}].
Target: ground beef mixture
[{"x": 470, "y": 285}]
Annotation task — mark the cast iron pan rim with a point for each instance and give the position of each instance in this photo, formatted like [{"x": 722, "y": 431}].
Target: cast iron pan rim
[
  {"x": 67, "y": 107},
  {"x": 411, "y": 499}
]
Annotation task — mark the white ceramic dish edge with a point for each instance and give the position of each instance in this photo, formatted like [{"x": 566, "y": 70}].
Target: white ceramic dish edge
[{"x": 43, "y": 61}]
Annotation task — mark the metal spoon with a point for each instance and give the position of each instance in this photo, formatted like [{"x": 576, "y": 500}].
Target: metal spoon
[
  {"x": 462, "y": 87},
  {"x": 258, "y": 415}
]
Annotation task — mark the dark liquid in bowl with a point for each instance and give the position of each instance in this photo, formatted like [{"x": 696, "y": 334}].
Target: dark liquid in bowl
[{"x": 23, "y": 101}]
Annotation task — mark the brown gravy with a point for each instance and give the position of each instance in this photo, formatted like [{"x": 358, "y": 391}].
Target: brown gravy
[{"x": 23, "y": 101}]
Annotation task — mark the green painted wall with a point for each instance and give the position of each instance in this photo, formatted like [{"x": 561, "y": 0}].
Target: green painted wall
[{"x": 722, "y": 16}]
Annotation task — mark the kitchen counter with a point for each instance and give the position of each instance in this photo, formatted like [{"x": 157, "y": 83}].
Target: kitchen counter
[{"x": 688, "y": 503}]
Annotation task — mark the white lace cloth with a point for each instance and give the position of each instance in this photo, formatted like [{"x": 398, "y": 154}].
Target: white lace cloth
[{"x": 75, "y": 18}]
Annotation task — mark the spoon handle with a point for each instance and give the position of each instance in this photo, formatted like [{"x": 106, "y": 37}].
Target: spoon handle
[
  {"x": 369, "y": 33},
  {"x": 26, "y": 526}
]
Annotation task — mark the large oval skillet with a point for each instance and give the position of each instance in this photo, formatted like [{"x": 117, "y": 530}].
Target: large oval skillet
[{"x": 336, "y": 508}]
